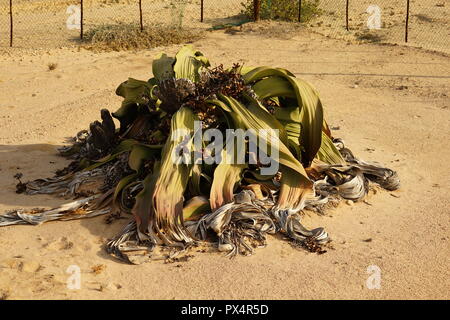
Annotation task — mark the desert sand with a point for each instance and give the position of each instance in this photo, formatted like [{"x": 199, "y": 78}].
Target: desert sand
[{"x": 389, "y": 103}]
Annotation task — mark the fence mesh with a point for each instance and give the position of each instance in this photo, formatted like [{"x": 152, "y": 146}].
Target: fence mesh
[
  {"x": 50, "y": 23},
  {"x": 385, "y": 21}
]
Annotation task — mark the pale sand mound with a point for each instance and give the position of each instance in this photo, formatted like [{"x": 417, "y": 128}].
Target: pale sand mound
[{"x": 390, "y": 99}]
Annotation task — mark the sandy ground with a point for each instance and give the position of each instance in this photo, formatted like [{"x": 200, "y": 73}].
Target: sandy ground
[
  {"x": 42, "y": 23},
  {"x": 390, "y": 104}
]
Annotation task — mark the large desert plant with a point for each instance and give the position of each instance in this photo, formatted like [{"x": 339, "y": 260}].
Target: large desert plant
[{"x": 131, "y": 169}]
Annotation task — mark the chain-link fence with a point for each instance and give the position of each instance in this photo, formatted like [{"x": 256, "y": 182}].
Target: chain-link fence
[
  {"x": 50, "y": 23},
  {"x": 388, "y": 21}
]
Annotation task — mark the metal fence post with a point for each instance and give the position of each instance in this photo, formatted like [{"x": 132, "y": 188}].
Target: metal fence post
[
  {"x": 299, "y": 10},
  {"x": 201, "y": 11},
  {"x": 81, "y": 19},
  {"x": 141, "y": 21},
  {"x": 256, "y": 9},
  {"x": 346, "y": 15},
  {"x": 10, "y": 24},
  {"x": 407, "y": 21}
]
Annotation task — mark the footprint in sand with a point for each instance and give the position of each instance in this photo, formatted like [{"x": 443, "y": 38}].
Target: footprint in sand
[
  {"x": 10, "y": 263},
  {"x": 60, "y": 244},
  {"x": 19, "y": 264},
  {"x": 30, "y": 266}
]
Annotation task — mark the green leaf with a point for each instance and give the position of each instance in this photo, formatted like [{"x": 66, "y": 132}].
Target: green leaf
[
  {"x": 296, "y": 185},
  {"x": 162, "y": 67},
  {"x": 273, "y": 87},
  {"x": 328, "y": 152},
  {"x": 262, "y": 72},
  {"x": 293, "y": 191},
  {"x": 140, "y": 153},
  {"x": 195, "y": 207},
  {"x": 226, "y": 176},
  {"x": 159, "y": 207},
  {"x": 194, "y": 182},
  {"x": 245, "y": 69},
  {"x": 189, "y": 63},
  {"x": 124, "y": 146},
  {"x": 263, "y": 115},
  {"x": 142, "y": 211},
  {"x": 251, "y": 121},
  {"x": 123, "y": 183},
  {"x": 311, "y": 119},
  {"x": 134, "y": 92},
  {"x": 288, "y": 117},
  {"x": 279, "y": 83}
]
